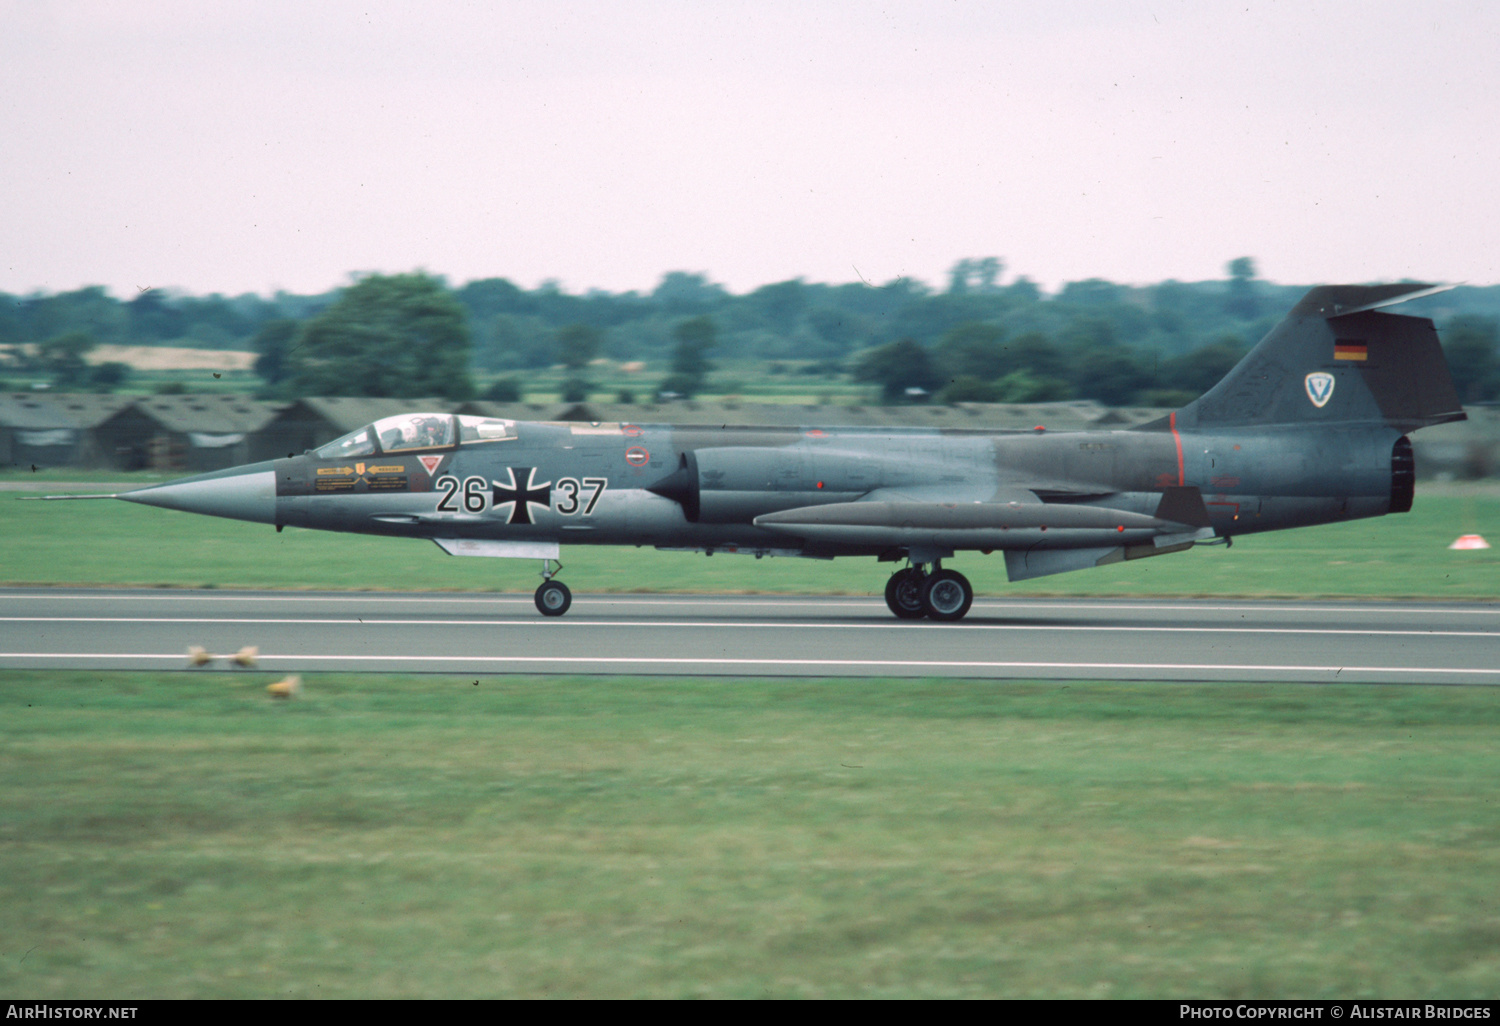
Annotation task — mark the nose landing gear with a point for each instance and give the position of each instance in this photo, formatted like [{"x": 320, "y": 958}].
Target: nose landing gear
[
  {"x": 552, "y": 597},
  {"x": 944, "y": 595}
]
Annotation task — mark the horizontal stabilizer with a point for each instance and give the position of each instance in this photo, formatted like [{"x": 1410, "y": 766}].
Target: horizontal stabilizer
[{"x": 1341, "y": 300}]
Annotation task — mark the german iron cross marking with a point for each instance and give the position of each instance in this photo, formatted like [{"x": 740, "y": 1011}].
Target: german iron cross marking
[{"x": 521, "y": 497}]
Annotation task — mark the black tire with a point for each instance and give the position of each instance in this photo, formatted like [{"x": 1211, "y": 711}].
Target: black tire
[
  {"x": 947, "y": 595},
  {"x": 903, "y": 594},
  {"x": 553, "y": 598}
]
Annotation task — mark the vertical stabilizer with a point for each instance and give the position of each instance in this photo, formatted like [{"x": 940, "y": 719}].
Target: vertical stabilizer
[{"x": 1335, "y": 359}]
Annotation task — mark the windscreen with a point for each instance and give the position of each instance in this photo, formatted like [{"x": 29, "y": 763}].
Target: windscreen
[{"x": 355, "y": 443}]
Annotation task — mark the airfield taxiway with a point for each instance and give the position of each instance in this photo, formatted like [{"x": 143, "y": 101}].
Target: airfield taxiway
[{"x": 1094, "y": 639}]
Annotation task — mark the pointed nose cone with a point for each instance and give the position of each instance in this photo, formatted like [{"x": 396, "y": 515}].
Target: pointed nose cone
[{"x": 243, "y": 493}]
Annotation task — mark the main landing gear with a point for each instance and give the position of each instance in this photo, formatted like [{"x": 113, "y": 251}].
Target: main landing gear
[
  {"x": 940, "y": 595},
  {"x": 553, "y": 597}
]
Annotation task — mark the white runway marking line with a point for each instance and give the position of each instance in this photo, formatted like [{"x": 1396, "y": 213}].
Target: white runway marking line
[
  {"x": 864, "y": 663},
  {"x": 788, "y": 601},
  {"x": 579, "y": 624}
]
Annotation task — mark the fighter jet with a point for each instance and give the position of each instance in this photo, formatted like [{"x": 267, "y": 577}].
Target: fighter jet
[{"x": 1309, "y": 428}]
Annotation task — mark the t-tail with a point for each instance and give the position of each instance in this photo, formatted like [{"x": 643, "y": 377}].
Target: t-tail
[
  {"x": 1336, "y": 360},
  {"x": 1311, "y": 426}
]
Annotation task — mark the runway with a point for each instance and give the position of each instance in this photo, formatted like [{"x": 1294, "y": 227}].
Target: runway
[{"x": 1083, "y": 639}]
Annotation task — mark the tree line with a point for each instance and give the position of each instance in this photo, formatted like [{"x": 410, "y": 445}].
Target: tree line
[{"x": 977, "y": 338}]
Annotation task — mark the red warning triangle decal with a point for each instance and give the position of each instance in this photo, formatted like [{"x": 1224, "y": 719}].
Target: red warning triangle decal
[{"x": 431, "y": 463}]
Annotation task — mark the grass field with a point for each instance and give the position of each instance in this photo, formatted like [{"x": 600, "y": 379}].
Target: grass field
[
  {"x": 184, "y": 835},
  {"x": 117, "y": 543}
]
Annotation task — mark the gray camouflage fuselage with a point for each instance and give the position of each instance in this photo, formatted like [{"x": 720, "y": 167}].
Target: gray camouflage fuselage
[{"x": 1251, "y": 480}]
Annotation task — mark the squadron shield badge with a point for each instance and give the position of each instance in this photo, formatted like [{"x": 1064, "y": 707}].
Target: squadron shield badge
[{"x": 1320, "y": 388}]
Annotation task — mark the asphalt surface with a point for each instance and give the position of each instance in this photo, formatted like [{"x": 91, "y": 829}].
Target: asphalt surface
[{"x": 1085, "y": 639}]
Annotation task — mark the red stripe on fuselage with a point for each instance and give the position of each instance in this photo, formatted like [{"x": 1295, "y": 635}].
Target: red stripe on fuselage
[{"x": 1181, "y": 476}]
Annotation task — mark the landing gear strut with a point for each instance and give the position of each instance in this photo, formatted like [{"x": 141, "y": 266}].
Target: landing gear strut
[
  {"x": 553, "y": 597},
  {"x": 940, "y": 595}
]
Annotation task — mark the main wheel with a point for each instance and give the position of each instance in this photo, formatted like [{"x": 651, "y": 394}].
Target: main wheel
[
  {"x": 903, "y": 593},
  {"x": 947, "y": 595},
  {"x": 553, "y": 598}
]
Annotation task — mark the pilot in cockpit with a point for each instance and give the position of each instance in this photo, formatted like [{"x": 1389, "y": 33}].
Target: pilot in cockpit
[{"x": 430, "y": 432}]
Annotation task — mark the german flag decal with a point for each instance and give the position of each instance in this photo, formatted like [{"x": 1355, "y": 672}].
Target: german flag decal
[{"x": 1345, "y": 349}]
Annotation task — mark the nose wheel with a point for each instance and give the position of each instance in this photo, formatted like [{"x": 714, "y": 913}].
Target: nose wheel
[
  {"x": 944, "y": 595},
  {"x": 553, "y": 597}
]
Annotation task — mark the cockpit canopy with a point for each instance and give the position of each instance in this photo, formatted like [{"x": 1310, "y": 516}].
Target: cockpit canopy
[{"x": 409, "y": 432}]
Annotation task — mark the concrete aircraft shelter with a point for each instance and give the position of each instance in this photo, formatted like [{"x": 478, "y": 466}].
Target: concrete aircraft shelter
[
  {"x": 45, "y": 429},
  {"x": 193, "y": 433}
]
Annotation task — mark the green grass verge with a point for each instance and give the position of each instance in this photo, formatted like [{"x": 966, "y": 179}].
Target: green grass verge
[
  {"x": 185, "y": 835},
  {"x": 116, "y": 543}
]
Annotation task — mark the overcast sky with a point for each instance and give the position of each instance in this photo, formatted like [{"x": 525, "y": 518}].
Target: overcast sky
[{"x": 239, "y": 147}]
